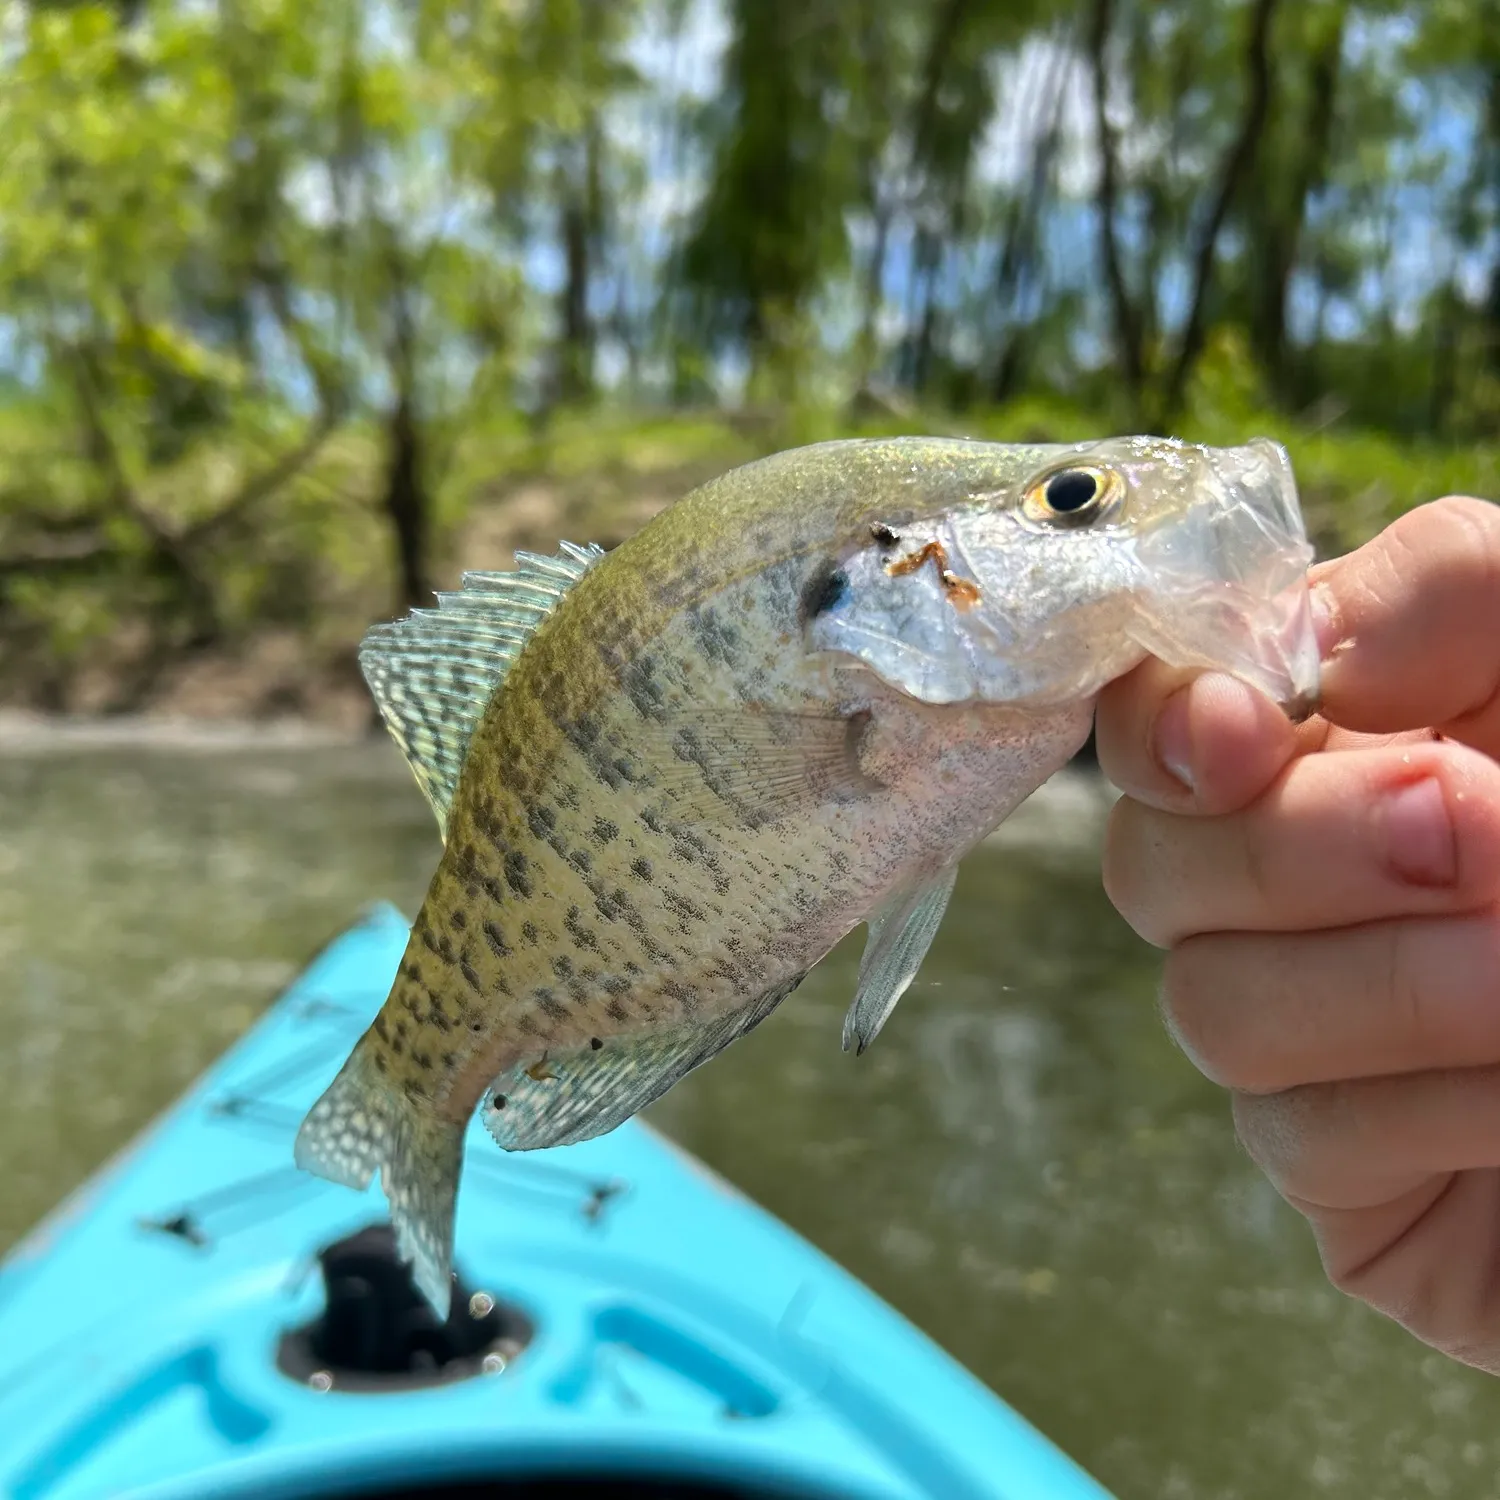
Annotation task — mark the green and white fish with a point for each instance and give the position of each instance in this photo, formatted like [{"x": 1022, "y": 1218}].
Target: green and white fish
[{"x": 671, "y": 778}]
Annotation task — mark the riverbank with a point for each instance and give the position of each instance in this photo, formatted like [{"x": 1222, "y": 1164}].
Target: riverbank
[{"x": 294, "y": 591}]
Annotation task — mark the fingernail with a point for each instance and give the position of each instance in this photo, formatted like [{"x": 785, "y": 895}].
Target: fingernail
[
  {"x": 1327, "y": 626},
  {"x": 1420, "y": 846},
  {"x": 1172, "y": 739}
]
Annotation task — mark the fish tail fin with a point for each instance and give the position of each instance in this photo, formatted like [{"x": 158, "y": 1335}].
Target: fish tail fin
[{"x": 364, "y": 1123}]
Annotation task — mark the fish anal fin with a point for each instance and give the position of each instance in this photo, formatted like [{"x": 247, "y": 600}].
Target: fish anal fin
[
  {"x": 900, "y": 934},
  {"x": 590, "y": 1092},
  {"x": 433, "y": 674}
]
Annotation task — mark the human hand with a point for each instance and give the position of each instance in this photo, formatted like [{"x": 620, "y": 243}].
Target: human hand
[{"x": 1329, "y": 894}]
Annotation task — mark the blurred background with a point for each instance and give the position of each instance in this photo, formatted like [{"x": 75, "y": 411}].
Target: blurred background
[{"x": 305, "y": 305}]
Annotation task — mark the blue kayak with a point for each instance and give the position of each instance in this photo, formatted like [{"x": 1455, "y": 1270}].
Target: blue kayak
[{"x": 202, "y": 1319}]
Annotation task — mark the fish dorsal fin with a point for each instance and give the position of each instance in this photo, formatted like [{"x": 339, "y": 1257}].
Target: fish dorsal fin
[
  {"x": 576, "y": 1096},
  {"x": 900, "y": 935},
  {"x": 433, "y": 673}
]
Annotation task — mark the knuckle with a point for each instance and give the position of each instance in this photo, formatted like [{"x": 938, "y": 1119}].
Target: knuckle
[
  {"x": 1125, "y": 868},
  {"x": 1196, "y": 979},
  {"x": 1290, "y": 1135}
]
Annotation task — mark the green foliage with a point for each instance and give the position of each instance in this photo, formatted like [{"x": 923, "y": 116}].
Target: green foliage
[{"x": 293, "y": 296}]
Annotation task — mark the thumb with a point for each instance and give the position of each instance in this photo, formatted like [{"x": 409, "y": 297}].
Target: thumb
[{"x": 1410, "y": 626}]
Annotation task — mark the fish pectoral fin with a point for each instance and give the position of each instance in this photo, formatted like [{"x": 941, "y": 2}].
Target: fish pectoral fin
[
  {"x": 901, "y": 932},
  {"x": 758, "y": 764},
  {"x": 591, "y": 1092},
  {"x": 433, "y": 674}
]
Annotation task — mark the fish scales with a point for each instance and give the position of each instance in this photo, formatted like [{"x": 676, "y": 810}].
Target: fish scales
[{"x": 787, "y": 706}]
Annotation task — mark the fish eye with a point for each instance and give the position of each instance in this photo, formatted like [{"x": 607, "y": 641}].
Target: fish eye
[{"x": 1072, "y": 497}]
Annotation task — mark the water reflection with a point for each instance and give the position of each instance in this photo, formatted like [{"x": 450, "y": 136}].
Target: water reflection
[{"x": 1021, "y": 1163}]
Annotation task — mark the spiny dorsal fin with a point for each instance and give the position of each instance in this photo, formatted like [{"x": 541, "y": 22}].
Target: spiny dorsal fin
[{"x": 433, "y": 673}]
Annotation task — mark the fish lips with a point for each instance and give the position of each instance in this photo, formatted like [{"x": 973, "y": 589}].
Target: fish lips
[{"x": 1235, "y": 571}]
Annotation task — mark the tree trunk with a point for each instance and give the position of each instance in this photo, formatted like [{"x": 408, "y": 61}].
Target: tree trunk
[
  {"x": 1238, "y": 161},
  {"x": 1282, "y": 233},
  {"x": 406, "y": 503},
  {"x": 1125, "y": 316}
]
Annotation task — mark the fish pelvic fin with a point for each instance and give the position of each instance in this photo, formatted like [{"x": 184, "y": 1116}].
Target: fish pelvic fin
[
  {"x": 900, "y": 934},
  {"x": 363, "y": 1124}
]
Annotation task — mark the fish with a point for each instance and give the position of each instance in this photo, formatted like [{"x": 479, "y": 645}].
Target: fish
[{"x": 670, "y": 778}]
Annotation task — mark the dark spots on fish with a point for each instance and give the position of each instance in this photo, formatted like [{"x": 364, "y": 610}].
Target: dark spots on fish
[
  {"x": 683, "y": 906},
  {"x": 684, "y": 995},
  {"x": 471, "y": 978},
  {"x": 529, "y": 933},
  {"x": 884, "y": 535},
  {"x": 498, "y": 1102},
  {"x": 616, "y": 1012},
  {"x": 583, "y": 732},
  {"x": 381, "y": 1028},
  {"x": 826, "y": 589},
  {"x": 378, "y": 1058},
  {"x": 493, "y": 889},
  {"x": 838, "y": 862},
  {"x": 804, "y": 900},
  {"x": 613, "y": 984},
  {"x": 457, "y": 919},
  {"x": 581, "y": 860},
  {"x": 595, "y": 1043},
  {"x": 439, "y": 1017},
  {"x": 541, "y": 820},
  {"x": 400, "y": 1031},
  {"x": 652, "y": 820},
  {"x": 516, "y": 876},
  {"x": 427, "y": 939},
  {"x": 641, "y": 869},
  {"x": 562, "y": 966},
  {"x": 568, "y": 796},
  {"x": 717, "y": 640},
  {"x": 408, "y": 1002},
  {"x": 397, "y": 1046},
  {"x": 549, "y": 1004},
  {"x": 643, "y": 689},
  {"x": 605, "y": 832},
  {"x": 450, "y": 1061},
  {"x": 423, "y": 1060},
  {"x": 412, "y": 970},
  {"x": 584, "y": 937},
  {"x": 496, "y": 939},
  {"x": 529, "y": 1026}
]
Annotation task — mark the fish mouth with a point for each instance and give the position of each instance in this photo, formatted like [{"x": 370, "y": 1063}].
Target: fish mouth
[{"x": 1233, "y": 573}]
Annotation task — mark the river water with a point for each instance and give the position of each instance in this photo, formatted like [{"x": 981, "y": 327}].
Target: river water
[{"x": 1022, "y": 1164}]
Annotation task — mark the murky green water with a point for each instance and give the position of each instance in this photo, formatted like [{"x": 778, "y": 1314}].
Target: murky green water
[{"x": 1022, "y": 1164}]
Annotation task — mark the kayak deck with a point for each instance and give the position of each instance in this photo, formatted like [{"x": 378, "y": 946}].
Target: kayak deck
[{"x": 629, "y": 1324}]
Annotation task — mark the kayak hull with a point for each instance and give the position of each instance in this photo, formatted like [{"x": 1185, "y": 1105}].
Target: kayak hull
[{"x": 674, "y": 1332}]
